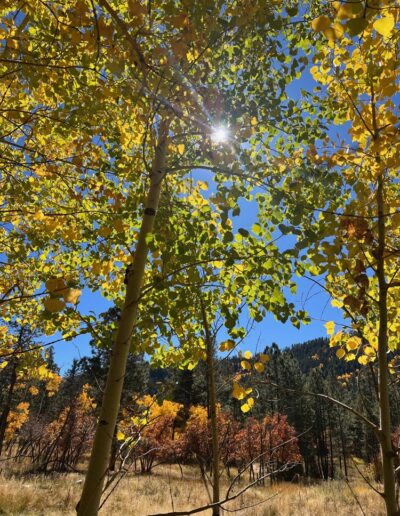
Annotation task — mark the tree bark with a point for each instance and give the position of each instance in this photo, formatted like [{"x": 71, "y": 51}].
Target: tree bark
[
  {"x": 99, "y": 460},
  {"x": 212, "y": 410},
  {"x": 389, "y": 482},
  {"x": 7, "y": 407}
]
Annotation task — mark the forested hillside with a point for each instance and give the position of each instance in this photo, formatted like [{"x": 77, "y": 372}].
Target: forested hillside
[{"x": 55, "y": 430}]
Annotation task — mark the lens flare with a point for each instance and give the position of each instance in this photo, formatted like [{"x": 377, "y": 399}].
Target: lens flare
[{"x": 220, "y": 134}]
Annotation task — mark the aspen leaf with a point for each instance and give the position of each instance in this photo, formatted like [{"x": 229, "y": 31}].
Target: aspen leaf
[
  {"x": 3, "y": 365},
  {"x": 329, "y": 33},
  {"x": 264, "y": 358},
  {"x": 345, "y": 11},
  {"x": 321, "y": 23},
  {"x": 245, "y": 365},
  {"x": 181, "y": 148},
  {"x": 384, "y": 25},
  {"x": 250, "y": 402},
  {"x": 227, "y": 345},
  {"x": 42, "y": 370},
  {"x": 330, "y": 327},
  {"x": 238, "y": 392},
  {"x": 245, "y": 408},
  {"x": 259, "y": 367},
  {"x": 340, "y": 353},
  {"x": 120, "y": 436},
  {"x": 119, "y": 225},
  {"x": 356, "y": 26},
  {"x": 247, "y": 355},
  {"x": 202, "y": 185},
  {"x": 192, "y": 56},
  {"x": 55, "y": 284},
  {"x": 105, "y": 231},
  {"x": 54, "y": 305},
  {"x": 51, "y": 284},
  {"x": 71, "y": 295},
  {"x": 353, "y": 343}
]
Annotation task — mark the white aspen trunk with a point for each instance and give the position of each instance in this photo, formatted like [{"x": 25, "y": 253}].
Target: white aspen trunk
[
  {"x": 212, "y": 397},
  {"x": 389, "y": 481},
  {"x": 99, "y": 460}
]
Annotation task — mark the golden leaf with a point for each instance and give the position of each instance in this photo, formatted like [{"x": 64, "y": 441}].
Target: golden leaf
[
  {"x": 330, "y": 327},
  {"x": 245, "y": 408},
  {"x": 321, "y": 23},
  {"x": 259, "y": 367},
  {"x": 340, "y": 353},
  {"x": 54, "y": 305},
  {"x": 384, "y": 25}
]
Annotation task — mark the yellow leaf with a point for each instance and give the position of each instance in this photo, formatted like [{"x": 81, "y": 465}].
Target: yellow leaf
[
  {"x": 247, "y": 354},
  {"x": 181, "y": 148},
  {"x": 192, "y": 56},
  {"x": 384, "y": 25},
  {"x": 254, "y": 121},
  {"x": 203, "y": 185},
  {"x": 369, "y": 351},
  {"x": 353, "y": 343},
  {"x": 238, "y": 392},
  {"x": 340, "y": 353},
  {"x": 3, "y": 365},
  {"x": 245, "y": 364},
  {"x": 363, "y": 360},
  {"x": 71, "y": 295},
  {"x": 250, "y": 402},
  {"x": 54, "y": 305},
  {"x": 245, "y": 408},
  {"x": 119, "y": 225},
  {"x": 321, "y": 23},
  {"x": 55, "y": 284},
  {"x": 120, "y": 436},
  {"x": 259, "y": 367},
  {"x": 105, "y": 231},
  {"x": 42, "y": 371},
  {"x": 227, "y": 345},
  {"x": 264, "y": 358},
  {"x": 330, "y": 327}
]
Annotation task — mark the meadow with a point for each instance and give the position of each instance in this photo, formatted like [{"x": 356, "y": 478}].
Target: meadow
[{"x": 166, "y": 490}]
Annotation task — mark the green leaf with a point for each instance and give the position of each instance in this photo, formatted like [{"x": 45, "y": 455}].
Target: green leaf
[
  {"x": 243, "y": 232},
  {"x": 356, "y": 26}
]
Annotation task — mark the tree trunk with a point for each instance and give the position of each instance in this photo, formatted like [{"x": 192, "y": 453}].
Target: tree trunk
[
  {"x": 7, "y": 407},
  {"x": 389, "y": 482},
  {"x": 343, "y": 446},
  {"x": 212, "y": 410},
  {"x": 97, "y": 470}
]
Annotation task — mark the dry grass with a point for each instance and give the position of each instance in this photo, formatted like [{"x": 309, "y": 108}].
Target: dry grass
[{"x": 143, "y": 495}]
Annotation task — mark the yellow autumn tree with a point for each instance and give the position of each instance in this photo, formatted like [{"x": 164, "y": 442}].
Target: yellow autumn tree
[{"x": 357, "y": 68}]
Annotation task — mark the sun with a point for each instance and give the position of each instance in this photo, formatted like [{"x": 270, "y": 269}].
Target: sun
[{"x": 220, "y": 134}]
